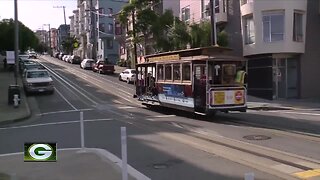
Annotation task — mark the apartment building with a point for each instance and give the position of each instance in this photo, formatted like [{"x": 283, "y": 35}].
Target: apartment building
[
  {"x": 279, "y": 38},
  {"x": 82, "y": 29},
  {"x": 281, "y": 42},
  {"x": 42, "y": 36},
  {"x": 54, "y": 38},
  {"x": 107, "y": 46},
  {"x": 63, "y": 33}
]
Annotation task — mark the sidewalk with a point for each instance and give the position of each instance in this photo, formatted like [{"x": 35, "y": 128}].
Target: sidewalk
[
  {"x": 8, "y": 113},
  {"x": 93, "y": 164},
  {"x": 255, "y": 103}
]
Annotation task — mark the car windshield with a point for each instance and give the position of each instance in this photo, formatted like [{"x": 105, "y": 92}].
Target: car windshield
[
  {"x": 33, "y": 66},
  {"x": 133, "y": 71},
  {"x": 37, "y": 74}
]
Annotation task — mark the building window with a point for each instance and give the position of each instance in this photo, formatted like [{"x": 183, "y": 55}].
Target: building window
[
  {"x": 216, "y": 8},
  {"x": 168, "y": 72},
  {"x": 101, "y": 10},
  {"x": 185, "y": 13},
  {"x": 101, "y": 27},
  {"x": 110, "y": 28},
  {"x": 122, "y": 49},
  {"x": 110, "y": 12},
  {"x": 273, "y": 26},
  {"x": 297, "y": 27},
  {"x": 249, "y": 32},
  {"x": 109, "y": 43},
  {"x": 243, "y": 2},
  {"x": 118, "y": 30},
  {"x": 224, "y": 3},
  {"x": 176, "y": 72}
]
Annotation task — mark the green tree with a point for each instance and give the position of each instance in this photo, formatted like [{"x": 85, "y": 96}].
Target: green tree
[
  {"x": 27, "y": 38},
  {"x": 223, "y": 39},
  {"x": 169, "y": 33},
  {"x": 144, "y": 19},
  {"x": 41, "y": 47},
  {"x": 69, "y": 44},
  {"x": 201, "y": 35}
]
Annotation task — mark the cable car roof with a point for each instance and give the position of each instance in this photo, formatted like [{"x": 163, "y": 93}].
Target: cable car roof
[{"x": 202, "y": 53}]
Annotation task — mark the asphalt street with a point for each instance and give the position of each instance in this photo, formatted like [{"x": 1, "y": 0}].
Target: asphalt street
[{"x": 164, "y": 143}]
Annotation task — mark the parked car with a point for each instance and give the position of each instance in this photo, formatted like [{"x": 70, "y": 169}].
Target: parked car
[
  {"x": 23, "y": 62},
  {"x": 61, "y": 55},
  {"x": 65, "y": 58},
  {"x": 103, "y": 67},
  {"x": 87, "y": 64},
  {"x": 32, "y": 65},
  {"x": 56, "y": 55},
  {"x": 33, "y": 55},
  {"x": 128, "y": 75},
  {"x": 36, "y": 80},
  {"x": 74, "y": 59}
]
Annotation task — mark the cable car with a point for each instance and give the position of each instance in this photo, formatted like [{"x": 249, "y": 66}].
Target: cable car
[{"x": 201, "y": 80}]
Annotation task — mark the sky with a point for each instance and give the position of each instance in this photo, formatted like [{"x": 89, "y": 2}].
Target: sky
[{"x": 35, "y": 13}]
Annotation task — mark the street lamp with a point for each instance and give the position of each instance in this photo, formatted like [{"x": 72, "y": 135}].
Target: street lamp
[
  {"x": 64, "y": 13},
  {"x": 49, "y": 36}
]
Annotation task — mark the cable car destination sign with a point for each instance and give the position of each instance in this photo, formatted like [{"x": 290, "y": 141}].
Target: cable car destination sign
[{"x": 164, "y": 58}]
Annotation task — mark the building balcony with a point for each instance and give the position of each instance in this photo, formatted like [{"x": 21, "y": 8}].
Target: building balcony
[{"x": 221, "y": 17}]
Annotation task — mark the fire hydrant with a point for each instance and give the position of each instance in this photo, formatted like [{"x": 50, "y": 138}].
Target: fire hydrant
[{"x": 16, "y": 100}]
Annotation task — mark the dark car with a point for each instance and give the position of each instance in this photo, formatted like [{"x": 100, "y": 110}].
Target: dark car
[
  {"x": 103, "y": 67},
  {"x": 75, "y": 59}
]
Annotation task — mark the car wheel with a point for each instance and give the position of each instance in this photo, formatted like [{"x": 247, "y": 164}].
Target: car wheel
[
  {"x": 120, "y": 79},
  {"x": 128, "y": 81},
  {"x": 100, "y": 72}
]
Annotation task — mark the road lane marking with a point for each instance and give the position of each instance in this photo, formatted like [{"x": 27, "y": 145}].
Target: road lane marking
[
  {"x": 54, "y": 123},
  {"x": 72, "y": 86},
  {"x": 164, "y": 116},
  {"x": 128, "y": 94},
  {"x": 64, "y": 98},
  {"x": 301, "y": 113},
  {"x": 126, "y": 107},
  {"x": 308, "y": 174},
  {"x": 68, "y": 111}
]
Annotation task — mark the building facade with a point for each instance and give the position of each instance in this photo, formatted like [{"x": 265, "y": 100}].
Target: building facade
[
  {"x": 54, "y": 38},
  {"x": 107, "y": 46},
  {"x": 82, "y": 29},
  {"x": 42, "y": 36},
  {"x": 63, "y": 33},
  {"x": 279, "y": 40},
  {"x": 277, "y": 37}
]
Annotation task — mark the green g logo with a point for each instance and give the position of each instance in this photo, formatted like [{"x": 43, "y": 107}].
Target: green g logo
[{"x": 40, "y": 152}]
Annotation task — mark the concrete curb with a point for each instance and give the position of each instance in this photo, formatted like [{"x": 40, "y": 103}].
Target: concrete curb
[{"x": 27, "y": 115}]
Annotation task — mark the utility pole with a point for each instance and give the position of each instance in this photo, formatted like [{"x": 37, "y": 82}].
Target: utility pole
[
  {"x": 16, "y": 40},
  {"x": 64, "y": 13},
  {"x": 93, "y": 30},
  {"x": 213, "y": 23},
  {"x": 134, "y": 38}
]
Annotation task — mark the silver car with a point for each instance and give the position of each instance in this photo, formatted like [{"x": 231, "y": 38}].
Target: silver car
[{"x": 38, "y": 81}]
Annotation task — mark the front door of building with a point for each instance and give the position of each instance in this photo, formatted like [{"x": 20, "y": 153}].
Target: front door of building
[{"x": 285, "y": 78}]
